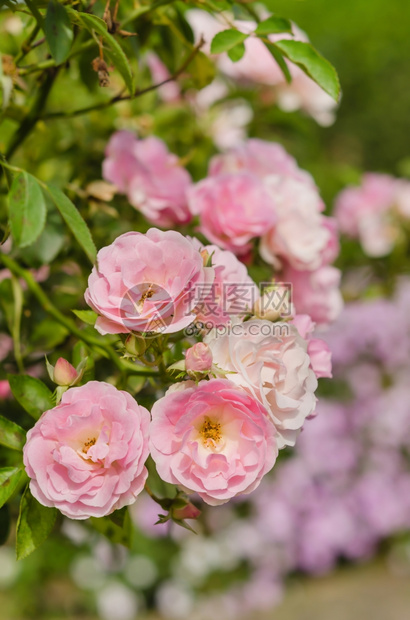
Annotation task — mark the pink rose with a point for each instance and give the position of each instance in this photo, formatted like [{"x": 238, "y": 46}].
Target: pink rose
[
  {"x": 368, "y": 212},
  {"x": 374, "y": 195},
  {"x": 212, "y": 439},
  {"x": 316, "y": 293},
  {"x": 233, "y": 292},
  {"x": 261, "y": 158},
  {"x": 150, "y": 282},
  {"x": 86, "y": 456},
  {"x": 150, "y": 175},
  {"x": 233, "y": 209},
  {"x": 198, "y": 358},
  {"x": 269, "y": 361},
  {"x": 318, "y": 350},
  {"x": 300, "y": 235}
]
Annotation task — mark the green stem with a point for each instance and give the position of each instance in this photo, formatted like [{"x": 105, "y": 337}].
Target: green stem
[
  {"x": 26, "y": 46},
  {"x": 138, "y": 93},
  {"x": 102, "y": 348}
]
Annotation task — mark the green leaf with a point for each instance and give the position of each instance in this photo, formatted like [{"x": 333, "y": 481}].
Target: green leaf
[
  {"x": 313, "y": 64},
  {"x": 47, "y": 335},
  {"x": 280, "y": 60},
  {"x": 272, "y": 25},
  {"x": 11, "y": 434},
  {"x": 74, "y": 221},
  {"x": 34, "y": 524},
  {"x": 117, "y": 527},
  {"x": 115, "y": 51},
  {"x": 237, "y": 52},
  {"x": 87, "y": 316},
  {"x": 58, "y": 30},
  {"x": 202, "y": 70},
  {"x": 9, "y": 479},
  {"x": 226, "y": 40},
  {"x": 27, "y": 209},
  {"x": 32, "y": 394}
]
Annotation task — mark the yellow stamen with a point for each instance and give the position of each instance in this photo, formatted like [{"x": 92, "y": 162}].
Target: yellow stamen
[{"x": 210, "y": 432}]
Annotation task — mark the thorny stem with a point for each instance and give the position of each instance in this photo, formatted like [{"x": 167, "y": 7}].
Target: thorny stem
[{"x": 138, "y": 93}]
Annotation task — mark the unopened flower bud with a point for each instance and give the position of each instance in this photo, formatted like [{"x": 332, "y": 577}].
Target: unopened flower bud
[
  {"x": 189, "y": 511},
  {"x": 198, "y": 359},
  {"x": 64, "y": 373},
  {"x": 273, "y": 304},
  {"x": 135, "y": 345}
]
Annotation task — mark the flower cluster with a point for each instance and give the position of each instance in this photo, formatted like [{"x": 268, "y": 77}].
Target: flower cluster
[
  {"x": 257, "y": 191},
  {"x": 344, "y": 489},
  {"x": 249, "y": 376},
  {"x": 375, "y": 212},
  {"x": 218, "y": 437}
]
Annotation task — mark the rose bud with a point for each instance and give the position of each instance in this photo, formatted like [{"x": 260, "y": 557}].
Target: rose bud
[
  {"x": 64, "y": 373},
  {"x": 135, "y": 345},
  {"x": 189, "y": 511},
  {"x": 198, "y": 359},
  {"x": 273, "y": 304}
]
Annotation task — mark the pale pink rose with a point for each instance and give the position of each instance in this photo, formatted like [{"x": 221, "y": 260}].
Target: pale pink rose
[
  {"x": 374, "y": 195},
  {"x": 316, "y": 293},
  {"x": 233, "y": 292},
  {"x": 261, "y": 158},
  {"x": 213, "y": 439},
  {"x": 320, "y": 357},
  {"x": 332, "y": 249},
  {"x": 169, "y": 92},
  {"x": 86, "y": 456},
  {"x": 318, "y": 350},
  {"x": 233, "y": 209},
  {"x": 150, "y": 175},
  {"x": 198, "y": 358},
  {"x": 64, "y": 373},
  {"x": 269, "y": 361},
  {"x": 147, "y": 282},
  {"x": 300, "y": 235},
  {"x": 5, "y": 390}
]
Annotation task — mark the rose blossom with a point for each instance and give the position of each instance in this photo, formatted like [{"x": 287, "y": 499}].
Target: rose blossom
[
  {"x": 270, "y": 361},
  {"x": 318, "y": 349},
  {"x": 233, "y": 209},
  {"x": 367, "y": 212},
  {"x": 198, "y": 358},
  {"x": 316, "y": 293},
  {"x": 86, "y": 456},
  {"x": 213, "y": 439},
  {"x": 261, "y": 158},
  {"x": 233, "y": 292},
  {"x": 300, "y": 235},
  {"x": 150, "y": 282},
  {"x": 150, "y": 175}
]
